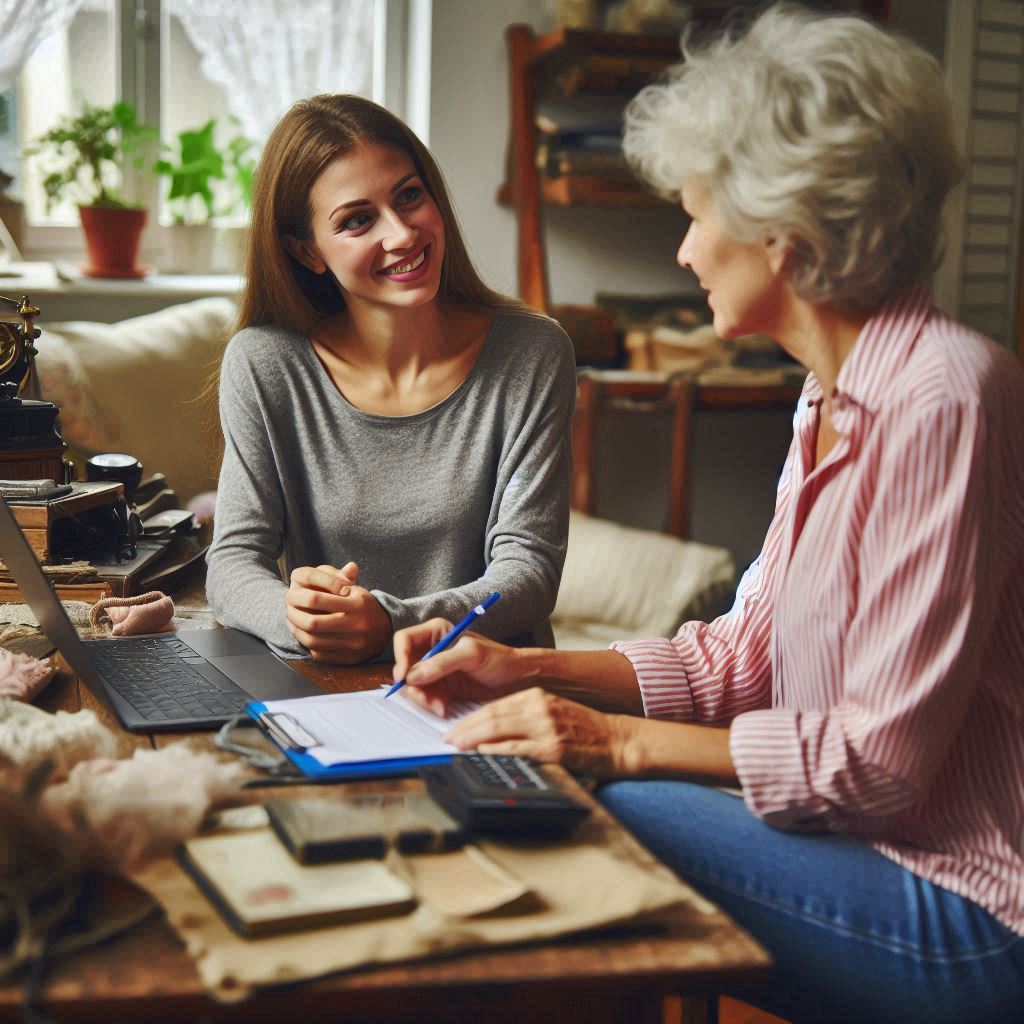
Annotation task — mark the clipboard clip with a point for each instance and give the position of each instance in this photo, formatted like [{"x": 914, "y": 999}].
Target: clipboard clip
[{"x": 286, "y": 731}]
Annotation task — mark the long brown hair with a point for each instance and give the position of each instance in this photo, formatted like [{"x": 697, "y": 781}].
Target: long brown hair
[{"x": 310, "y": 136}]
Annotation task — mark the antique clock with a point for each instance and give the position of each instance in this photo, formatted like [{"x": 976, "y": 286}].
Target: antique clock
[{"x": 30, "y": 446}]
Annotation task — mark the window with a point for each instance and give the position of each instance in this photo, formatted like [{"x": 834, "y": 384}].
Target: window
[
  {"x": 54, "y": 82},
  {"x": 181, "y": 63}
]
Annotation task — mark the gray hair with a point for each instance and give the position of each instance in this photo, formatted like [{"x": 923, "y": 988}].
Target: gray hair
[{"x": 823, "y": 134}]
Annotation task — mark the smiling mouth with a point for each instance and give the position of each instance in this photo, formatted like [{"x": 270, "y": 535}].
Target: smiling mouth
[{"x": 407, "y": 268}]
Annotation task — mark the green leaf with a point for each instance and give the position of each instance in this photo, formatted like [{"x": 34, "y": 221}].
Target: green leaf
[
  {"x": 196, "y": 162},
  {"x": 84, "y": 151}
]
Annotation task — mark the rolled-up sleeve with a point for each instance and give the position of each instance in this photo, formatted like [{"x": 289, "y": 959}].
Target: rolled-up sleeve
[{"x": 710, "y": 672}]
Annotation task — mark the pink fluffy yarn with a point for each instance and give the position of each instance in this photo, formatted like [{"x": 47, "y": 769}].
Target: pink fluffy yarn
[{"x": 22, "y": 676}]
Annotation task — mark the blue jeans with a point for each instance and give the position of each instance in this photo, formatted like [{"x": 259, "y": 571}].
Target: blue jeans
[{"x": 855, "y": 937}]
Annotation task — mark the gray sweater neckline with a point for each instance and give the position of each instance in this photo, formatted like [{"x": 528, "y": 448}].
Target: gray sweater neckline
[{"x": 330, "y": 389}]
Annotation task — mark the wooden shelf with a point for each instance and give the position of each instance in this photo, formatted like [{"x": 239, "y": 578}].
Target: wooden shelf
[
  {"x": 564, "y": 63},
  {"x": 588, "y": 190},
  {"x": 575, "y": 40}
]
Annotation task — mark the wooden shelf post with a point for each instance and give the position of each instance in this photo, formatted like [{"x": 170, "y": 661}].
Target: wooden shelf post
[{"x": 531, "y": 268}]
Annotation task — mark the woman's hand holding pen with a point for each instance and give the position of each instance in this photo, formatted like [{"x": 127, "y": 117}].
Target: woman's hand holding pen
[
  {"x": 473, "y": 668},
  {"x": 527, "y": 720},
  {"x": 333, "y": 618}
]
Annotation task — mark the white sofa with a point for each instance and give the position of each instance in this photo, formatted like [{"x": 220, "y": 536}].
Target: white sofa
[{"x": 143, "y": 386}]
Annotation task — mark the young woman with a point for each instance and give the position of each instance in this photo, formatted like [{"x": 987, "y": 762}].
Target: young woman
[
  {"x": 395, "y": 432},
  {"x": 865, "y": 690}
]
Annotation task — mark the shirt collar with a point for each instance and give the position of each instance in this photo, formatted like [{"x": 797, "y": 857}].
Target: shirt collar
[{"x": 884, "y": 344}]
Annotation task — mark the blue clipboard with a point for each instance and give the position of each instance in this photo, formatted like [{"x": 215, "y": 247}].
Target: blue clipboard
[{"x": 290, "y": 738}]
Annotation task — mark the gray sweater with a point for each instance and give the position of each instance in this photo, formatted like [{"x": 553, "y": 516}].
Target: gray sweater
[{"x": 438, "y": 509}]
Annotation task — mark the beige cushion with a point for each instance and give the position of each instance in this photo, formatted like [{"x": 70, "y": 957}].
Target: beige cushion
[
  {"x": 621, "y": 583},
  {"x": 138, "y": 387}
]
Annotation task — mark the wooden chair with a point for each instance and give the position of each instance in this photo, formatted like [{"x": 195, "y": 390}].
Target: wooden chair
[{"x": 602, "y": 392}]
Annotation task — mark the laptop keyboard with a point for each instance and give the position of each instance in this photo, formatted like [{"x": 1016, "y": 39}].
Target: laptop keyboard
[{"x": 155, "y": 676}]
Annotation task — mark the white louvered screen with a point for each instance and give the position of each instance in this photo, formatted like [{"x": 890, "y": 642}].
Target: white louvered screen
[{"x": 985, "y": 70}]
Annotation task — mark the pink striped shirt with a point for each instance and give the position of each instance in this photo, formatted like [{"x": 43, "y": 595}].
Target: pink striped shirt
[{"x": 873, "y": 663}]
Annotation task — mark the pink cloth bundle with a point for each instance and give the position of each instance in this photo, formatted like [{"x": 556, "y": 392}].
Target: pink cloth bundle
[
  {"x": 22, "y": 676},
  {"x": 128, "y": 616}
]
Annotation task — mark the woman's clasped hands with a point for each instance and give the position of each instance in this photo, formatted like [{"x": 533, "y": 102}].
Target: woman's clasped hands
[
  {"x": 332, "y": 617},
  {"x": 520, "y": 717}
]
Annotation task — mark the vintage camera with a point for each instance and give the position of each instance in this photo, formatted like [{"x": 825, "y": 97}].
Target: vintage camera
[{"x": 31, "y": 447}]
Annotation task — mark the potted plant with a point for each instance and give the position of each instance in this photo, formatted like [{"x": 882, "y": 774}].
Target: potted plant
[
  {"x": 89, "y": 154},
  {"x": 195, "y": 164}
]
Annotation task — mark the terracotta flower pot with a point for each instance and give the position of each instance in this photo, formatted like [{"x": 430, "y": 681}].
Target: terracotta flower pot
[{"x": 112, "y": 240}]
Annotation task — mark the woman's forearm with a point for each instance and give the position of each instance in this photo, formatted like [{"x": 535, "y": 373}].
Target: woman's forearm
[
  {"x": 601, "y": 679},
  {"x": 643, "y": 747},
  {"x": 649, "y": 748}
]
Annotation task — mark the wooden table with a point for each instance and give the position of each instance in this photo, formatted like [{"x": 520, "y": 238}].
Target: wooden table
[{"x": 146, "y": 974}]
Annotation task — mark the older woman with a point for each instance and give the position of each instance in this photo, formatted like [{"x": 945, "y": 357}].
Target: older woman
[{"x": 864, "y": 692}]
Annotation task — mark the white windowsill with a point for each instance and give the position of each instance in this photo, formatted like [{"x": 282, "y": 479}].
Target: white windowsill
[
  {"x": 42, "y": 279},
  {"x": 106, "y": 299}
]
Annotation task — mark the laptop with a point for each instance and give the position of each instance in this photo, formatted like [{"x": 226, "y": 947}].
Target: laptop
[{"x": 191, "y": 679}]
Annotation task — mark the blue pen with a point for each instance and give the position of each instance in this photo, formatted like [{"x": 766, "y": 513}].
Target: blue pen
[{"x": 454, "y": 635}]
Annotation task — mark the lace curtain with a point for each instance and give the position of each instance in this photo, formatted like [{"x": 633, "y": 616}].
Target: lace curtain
[
  {"x": 268, "y": 53},
  {"x": 23, "y": 25}
]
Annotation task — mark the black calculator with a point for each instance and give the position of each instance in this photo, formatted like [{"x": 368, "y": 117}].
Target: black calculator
[{"x": 501, "y": 793}]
